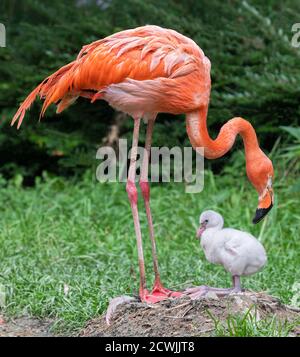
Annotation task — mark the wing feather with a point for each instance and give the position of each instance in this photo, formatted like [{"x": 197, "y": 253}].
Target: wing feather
[{"x": 144, "y": 53}]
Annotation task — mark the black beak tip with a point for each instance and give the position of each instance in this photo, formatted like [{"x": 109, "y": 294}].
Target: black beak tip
[{"x": 261, "y": 213}]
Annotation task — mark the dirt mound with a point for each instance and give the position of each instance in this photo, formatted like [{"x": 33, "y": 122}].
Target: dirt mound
[{"x": 185, "y": 317}]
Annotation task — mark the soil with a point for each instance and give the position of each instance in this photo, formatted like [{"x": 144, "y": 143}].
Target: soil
[
  {"x": 185, "y": 317},
  {"x": 180, "y": 317},
  {"x": 24, "y": 327}
]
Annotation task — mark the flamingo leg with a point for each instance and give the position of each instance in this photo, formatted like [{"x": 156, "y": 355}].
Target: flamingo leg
[
  {"x": 133, "y": 198},
  {"x": 158, "y": 292}
]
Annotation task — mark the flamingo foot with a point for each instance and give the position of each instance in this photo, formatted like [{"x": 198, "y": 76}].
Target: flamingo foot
[
  {"x": 199, "y": 291},
  {"x": 158, "y": 293}
]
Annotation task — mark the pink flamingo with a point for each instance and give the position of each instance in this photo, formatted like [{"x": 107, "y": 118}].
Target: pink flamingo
[{"x": 142, "y": 72}]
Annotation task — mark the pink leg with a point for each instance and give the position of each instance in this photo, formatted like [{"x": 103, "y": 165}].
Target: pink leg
[
  {"x": 133, "y": 198},
  {"x": 159, "y": 292}
]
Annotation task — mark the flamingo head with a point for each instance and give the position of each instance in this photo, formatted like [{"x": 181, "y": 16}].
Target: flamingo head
[
  {"x": 209, "y": 219},
  {"x": 260, "y": 172}
]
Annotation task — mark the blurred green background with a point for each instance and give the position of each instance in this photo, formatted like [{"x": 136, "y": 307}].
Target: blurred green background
[
  {"x": 60, "y": 228},
  {"x": 255, "y": 73}
]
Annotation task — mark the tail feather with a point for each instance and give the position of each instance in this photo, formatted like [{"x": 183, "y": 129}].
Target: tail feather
[
  {"x": 52, "y": 89},
  {"x": 19, "y": 116}
]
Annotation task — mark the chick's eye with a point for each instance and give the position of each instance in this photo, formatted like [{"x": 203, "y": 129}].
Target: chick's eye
[{"x": 206, "y": 221}]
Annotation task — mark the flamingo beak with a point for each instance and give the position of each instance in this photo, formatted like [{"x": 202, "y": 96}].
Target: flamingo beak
[
  {"x": 266, "y": 201},
  {"x": 200, "y": 230}
]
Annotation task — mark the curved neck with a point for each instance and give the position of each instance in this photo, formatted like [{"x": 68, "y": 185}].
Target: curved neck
[{"x": 215, "y": 148}]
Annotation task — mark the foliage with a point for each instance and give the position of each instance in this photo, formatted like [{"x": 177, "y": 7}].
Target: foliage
[
  {"x": 248, "y": 324},
  {"x": 76, "y": 233},
  {"x": 292, "y": 152},
  {"x": 254, "y": 72},
  {"x": 80, "y": 236},
  {"x": 291, "y": 155}
]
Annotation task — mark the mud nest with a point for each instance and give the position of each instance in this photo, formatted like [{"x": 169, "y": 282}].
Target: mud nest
[{"x": 208, "y": 316}]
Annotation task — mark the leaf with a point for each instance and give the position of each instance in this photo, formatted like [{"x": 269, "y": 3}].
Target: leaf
[{"x": 294, "y": 131}]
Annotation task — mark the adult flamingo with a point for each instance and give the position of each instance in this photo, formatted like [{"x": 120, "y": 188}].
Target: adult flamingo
[{"x": 142, "y": 72}]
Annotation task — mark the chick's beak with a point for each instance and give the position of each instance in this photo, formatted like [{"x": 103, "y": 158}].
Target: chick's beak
[
  {"x": 200, "y": 230},
  {"x": 265, "y": 203}
]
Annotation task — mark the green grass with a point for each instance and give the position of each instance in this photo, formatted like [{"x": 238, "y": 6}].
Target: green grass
[
  {"x": 249, "y": 325},
  {"x": 81, "y": 235}
]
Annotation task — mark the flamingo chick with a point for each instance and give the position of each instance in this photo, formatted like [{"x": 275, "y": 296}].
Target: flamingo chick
[{"x": 239, "y": 252}]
